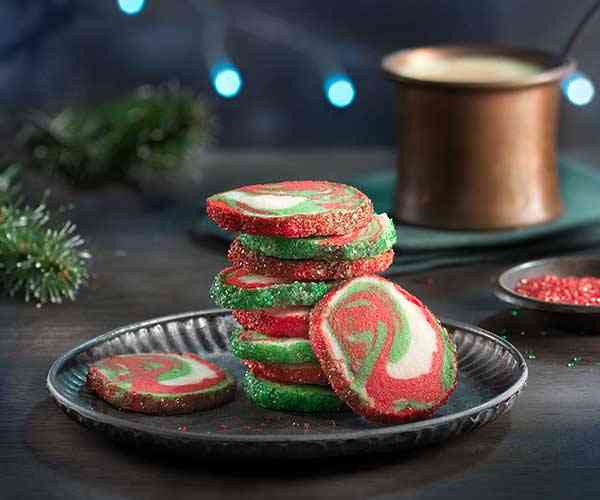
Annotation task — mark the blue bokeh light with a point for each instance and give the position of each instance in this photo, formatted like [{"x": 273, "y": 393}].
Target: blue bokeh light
[
  {"x": 339, "y": 90},
  {"x": 131, "y": 7},
  {"x": 226, "y": 80},
  {"x": 578, "y": 89}
]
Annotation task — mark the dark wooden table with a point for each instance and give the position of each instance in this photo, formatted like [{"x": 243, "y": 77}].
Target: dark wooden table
[{"x": 146, "y": 265}]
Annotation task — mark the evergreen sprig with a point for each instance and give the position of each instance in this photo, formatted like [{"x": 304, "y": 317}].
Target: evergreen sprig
[
  {"x": 154, "y": 128},
  {"x": 38, "y": 259}
]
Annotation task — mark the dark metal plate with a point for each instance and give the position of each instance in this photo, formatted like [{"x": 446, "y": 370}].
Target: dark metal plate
[
  {"x": 492, "y": 374},
  {"x": 584, "y": 319}
]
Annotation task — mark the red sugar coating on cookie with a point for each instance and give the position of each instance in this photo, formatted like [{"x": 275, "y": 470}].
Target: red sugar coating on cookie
[
  {"x": 304, "y": 373},
  {"x": 160, "y": 383},
  {"x": 306, "y": 270},
  {"x": 276, "y": 322},
  {"x": 291, "y": 209},
  {"x": 383, "y": 352}
]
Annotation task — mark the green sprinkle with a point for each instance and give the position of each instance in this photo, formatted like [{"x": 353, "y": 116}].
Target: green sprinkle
[
  {"x": 290, "y": 397},
  {"x": 378, "y": 237},
  {"x": 530, "y": 355},
  {"x": 283, "y": 294},
  {"x": 514, "y": 312},
  {"x": 258, "y": 347}
]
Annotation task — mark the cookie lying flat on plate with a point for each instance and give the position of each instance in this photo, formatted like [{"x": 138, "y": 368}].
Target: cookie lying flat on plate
[
  {"x": 160, "y": 383},
  {"x": 260, "y": 347},
  {"x": 292, "y": 209},
  {"x": 306, "y": 270},
  {"x": 304, "y": 398},
  {"x": 302, "y": 373},
  {"x": 276, "y": 322},
  {"x": 382, "y": 350},
  {"x": 238, "y": 289},
  {"x": 375, "y": 238}
]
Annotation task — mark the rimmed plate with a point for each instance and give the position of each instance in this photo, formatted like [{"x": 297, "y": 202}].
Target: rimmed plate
[{"x": 492, "y": 374}]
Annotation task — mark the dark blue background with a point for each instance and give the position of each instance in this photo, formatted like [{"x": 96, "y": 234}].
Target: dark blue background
[{"x": 54, "y": 52}]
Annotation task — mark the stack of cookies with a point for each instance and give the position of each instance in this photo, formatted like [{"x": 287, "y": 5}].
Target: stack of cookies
[{"x": 297, "y": 241}]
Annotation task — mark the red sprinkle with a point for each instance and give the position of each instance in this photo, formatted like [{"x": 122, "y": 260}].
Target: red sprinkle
[{"x": 576, "y": 290}]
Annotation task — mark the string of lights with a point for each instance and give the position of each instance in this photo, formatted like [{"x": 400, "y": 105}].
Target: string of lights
[
  {"x": 226, "y": 78},
  {"x": 131, "y": 7},
  {"x": 338, "y": 87}
]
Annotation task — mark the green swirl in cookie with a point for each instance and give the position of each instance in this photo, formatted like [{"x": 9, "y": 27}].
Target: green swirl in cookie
[{"x": 291, "y": 198}]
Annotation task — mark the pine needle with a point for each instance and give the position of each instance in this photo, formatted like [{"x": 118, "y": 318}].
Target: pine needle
[
  {"x": 39, "y": 260},
  {"x": 154, "y": 128}
]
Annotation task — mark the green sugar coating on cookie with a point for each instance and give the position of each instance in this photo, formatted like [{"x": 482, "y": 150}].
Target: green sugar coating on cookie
[
  {"x": 290, "y": 397},
  {"x": 374, "y": 239},
  {"x": 259, "y": 347},
  {"x": 282, "y": 294},
  {"x": 449, "y": 367}
]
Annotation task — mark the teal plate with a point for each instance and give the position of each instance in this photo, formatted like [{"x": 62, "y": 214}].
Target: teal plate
[{"x": 580, "y": 186}]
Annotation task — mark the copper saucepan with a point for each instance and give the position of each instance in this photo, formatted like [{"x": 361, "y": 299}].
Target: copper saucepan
[{"x": 477, "y": 154}]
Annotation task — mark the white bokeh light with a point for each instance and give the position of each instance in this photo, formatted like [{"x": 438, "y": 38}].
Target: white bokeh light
[
  {"x": 339, "y": 90},
  {"x": 579, "y": 90},
  {"x": 227, "y": 80}
]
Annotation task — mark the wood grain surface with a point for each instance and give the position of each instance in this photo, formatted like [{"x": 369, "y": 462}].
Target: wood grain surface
[{"x": 146, "y": 264}]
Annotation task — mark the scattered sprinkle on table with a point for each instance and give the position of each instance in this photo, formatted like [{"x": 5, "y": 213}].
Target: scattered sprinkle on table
[{"x": 574, "y": 290}]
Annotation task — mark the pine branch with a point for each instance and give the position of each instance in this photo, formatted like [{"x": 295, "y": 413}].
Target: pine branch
[
  {"x": 38, "y": 260},
  {"x": 154, "y": 128}
]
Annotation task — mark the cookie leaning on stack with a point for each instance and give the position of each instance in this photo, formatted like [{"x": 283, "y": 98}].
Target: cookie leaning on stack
[
  {"x": 383, "y": 351},
  {"x": 299, "y": 238}
]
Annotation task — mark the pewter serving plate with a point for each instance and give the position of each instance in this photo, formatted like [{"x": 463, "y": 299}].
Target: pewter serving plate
[
  {"x": 569, "y": 317},
  {"x": 492, "y": 373}
]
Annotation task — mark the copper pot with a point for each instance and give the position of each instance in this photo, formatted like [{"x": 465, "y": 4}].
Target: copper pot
[{"x": 477, "y": 155}]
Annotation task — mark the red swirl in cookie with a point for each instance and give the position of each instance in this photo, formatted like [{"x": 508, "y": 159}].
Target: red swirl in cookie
[
  {"x": 383, "y": 351},
  {"x": 160, "y": 383},
  {"x": 322, "y": 194},
  {"x": 368, "y": 234},
  {"x": 243, "y": 279},
  {"x": 292, "y": 209}
]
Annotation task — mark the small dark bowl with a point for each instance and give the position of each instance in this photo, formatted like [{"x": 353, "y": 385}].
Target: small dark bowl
[{"x": 585, "y": 319}]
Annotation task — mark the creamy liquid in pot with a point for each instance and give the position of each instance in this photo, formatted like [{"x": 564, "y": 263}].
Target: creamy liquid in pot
[{"x": 467, "y": 69}]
